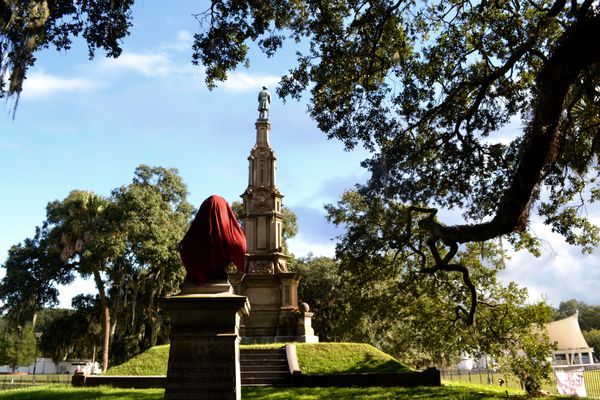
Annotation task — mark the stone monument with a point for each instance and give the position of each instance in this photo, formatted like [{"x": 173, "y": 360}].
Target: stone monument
[
  {"x": 204, "y": 358},
  {"x": 271, "y": 289}
]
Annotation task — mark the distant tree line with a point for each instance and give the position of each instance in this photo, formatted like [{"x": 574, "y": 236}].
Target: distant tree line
[{"x": 127, "y": 243}]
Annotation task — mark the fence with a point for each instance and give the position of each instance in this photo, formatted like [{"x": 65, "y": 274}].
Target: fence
[
  {"x": 25, "y": 380},
  {"x": 591, "y": 378},
  {"x": 482, "y": 377}
]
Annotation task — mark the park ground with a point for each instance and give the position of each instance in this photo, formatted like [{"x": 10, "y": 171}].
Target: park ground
[{"x": 448, "y": 391}]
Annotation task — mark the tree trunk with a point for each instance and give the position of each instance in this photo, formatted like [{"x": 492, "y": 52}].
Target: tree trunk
[{"x": 105, "y": 319}]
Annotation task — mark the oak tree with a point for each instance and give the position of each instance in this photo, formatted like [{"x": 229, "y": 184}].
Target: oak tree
[
  {"x": 383, "y": 296},
  {"x": 430, "y": 88}
]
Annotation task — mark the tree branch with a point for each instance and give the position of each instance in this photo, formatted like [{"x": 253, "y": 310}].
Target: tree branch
[{"x": 572, "y": 55}]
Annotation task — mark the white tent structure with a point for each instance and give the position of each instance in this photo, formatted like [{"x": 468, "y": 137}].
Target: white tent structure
[{"x": 572, "y": 348}]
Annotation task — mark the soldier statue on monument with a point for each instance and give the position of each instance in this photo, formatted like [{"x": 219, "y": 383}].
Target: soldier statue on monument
[{"x": 264, "y": 102}]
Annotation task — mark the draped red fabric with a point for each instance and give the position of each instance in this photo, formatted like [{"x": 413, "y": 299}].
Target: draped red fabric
[{"x": 213, "y": 241}]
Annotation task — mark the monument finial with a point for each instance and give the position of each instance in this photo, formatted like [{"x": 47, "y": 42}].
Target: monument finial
[{"x": 264, "y": 103}]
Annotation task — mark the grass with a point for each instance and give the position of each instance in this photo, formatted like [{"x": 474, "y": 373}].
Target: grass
[
  {"x": 335, "y": 358},
  {"x": 314, "y": 358},
  {"x": 72, "y": 393},
  {"x": 151, "y": 362},
  {"x": 451, "y": 391},
  {"x": 27, "y": 379}
]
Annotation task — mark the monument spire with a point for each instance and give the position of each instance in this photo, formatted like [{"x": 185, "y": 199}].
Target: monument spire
[
  {"x": 271, "y": 289},
  {"x": 263, "y": 221}
]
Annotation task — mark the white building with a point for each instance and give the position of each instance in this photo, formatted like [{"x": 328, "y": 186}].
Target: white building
[
  {"x": 45, "y": 366},
  {"x": 572, "y": 348}
]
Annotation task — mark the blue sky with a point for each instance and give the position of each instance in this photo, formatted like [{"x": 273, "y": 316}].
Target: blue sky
[{"x": 86, "y": 125}]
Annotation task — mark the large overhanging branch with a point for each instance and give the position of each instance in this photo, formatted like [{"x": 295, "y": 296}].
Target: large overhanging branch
[
  {"x": 444, "y": 263},
  {"x": 574, "y": 53}
]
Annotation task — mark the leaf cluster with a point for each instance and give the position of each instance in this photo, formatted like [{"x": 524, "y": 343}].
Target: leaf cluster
[{"x": 28, "y": 26}]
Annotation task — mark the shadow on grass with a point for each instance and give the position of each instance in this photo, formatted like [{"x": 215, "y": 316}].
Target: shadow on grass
[
  {"x": 420, "y": 393},
  {"x": 371, "y": 364}
]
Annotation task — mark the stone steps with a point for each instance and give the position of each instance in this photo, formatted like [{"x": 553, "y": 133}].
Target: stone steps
[{"x": 264, "y": 367}]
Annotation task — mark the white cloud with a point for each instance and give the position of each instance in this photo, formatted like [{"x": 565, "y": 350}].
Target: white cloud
[
  {"x": 507, "y": 133},
  {"x": 184, "y": 36},
  {"x": 301, "y": 246},
  {"x": 561, "y": 273},
  {"x": 148, "y": 64},
  {"x": 183, "y": 41},
  {"x": 243, "y": 82},
  {"x": 41, "y": 85}
]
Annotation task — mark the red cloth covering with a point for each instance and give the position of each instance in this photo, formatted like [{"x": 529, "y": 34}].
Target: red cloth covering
[{"x": 213, "y": 241}]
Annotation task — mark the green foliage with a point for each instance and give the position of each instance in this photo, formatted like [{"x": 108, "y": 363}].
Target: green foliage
[
  {"x": 151, "y": 216},
  {"x": 332, "y": 358},
  {"x": 151, "y": 362},
  {"x": 33, "y": 270},
  {"x": 390, "y": 299},
  {"x": 71, "y": 333},
  {"x": 26, "y": 27},
  {"x": 588, "y": 315},
  {"x": 17, "y": 345},
  {"x": 592, "y": 337},
  {"x": 320, "y": 287},
  {"x": 531, "y": 361},
  {"x": 128, "y": 243},
  {"x": 428, "y": 87},
  {"x": 79, "y": 229}
]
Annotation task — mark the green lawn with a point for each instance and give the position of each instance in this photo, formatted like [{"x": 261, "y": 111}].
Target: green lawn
[
  {"x": 314, "y": 358},
  {"x": 447, "y": 392},
  {"x": 336, "y": 358},
  {"x": 151, "y": 362}
]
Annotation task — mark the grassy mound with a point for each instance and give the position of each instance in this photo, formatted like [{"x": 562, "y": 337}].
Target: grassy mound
[
  {"x": 337, "y": 358},
  {"x": 314, "y": 358},
  {"x": 151, "y": 362}
]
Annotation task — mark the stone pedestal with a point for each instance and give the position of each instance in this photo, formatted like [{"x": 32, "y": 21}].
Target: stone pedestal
[
  {"x": 204, "y": 355},
  {"x": 276, "y": 315}
]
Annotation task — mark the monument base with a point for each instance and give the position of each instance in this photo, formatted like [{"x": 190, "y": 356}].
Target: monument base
[
  {"x": 276, "y": 315},
  {"x": 204, "y": 359}
]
